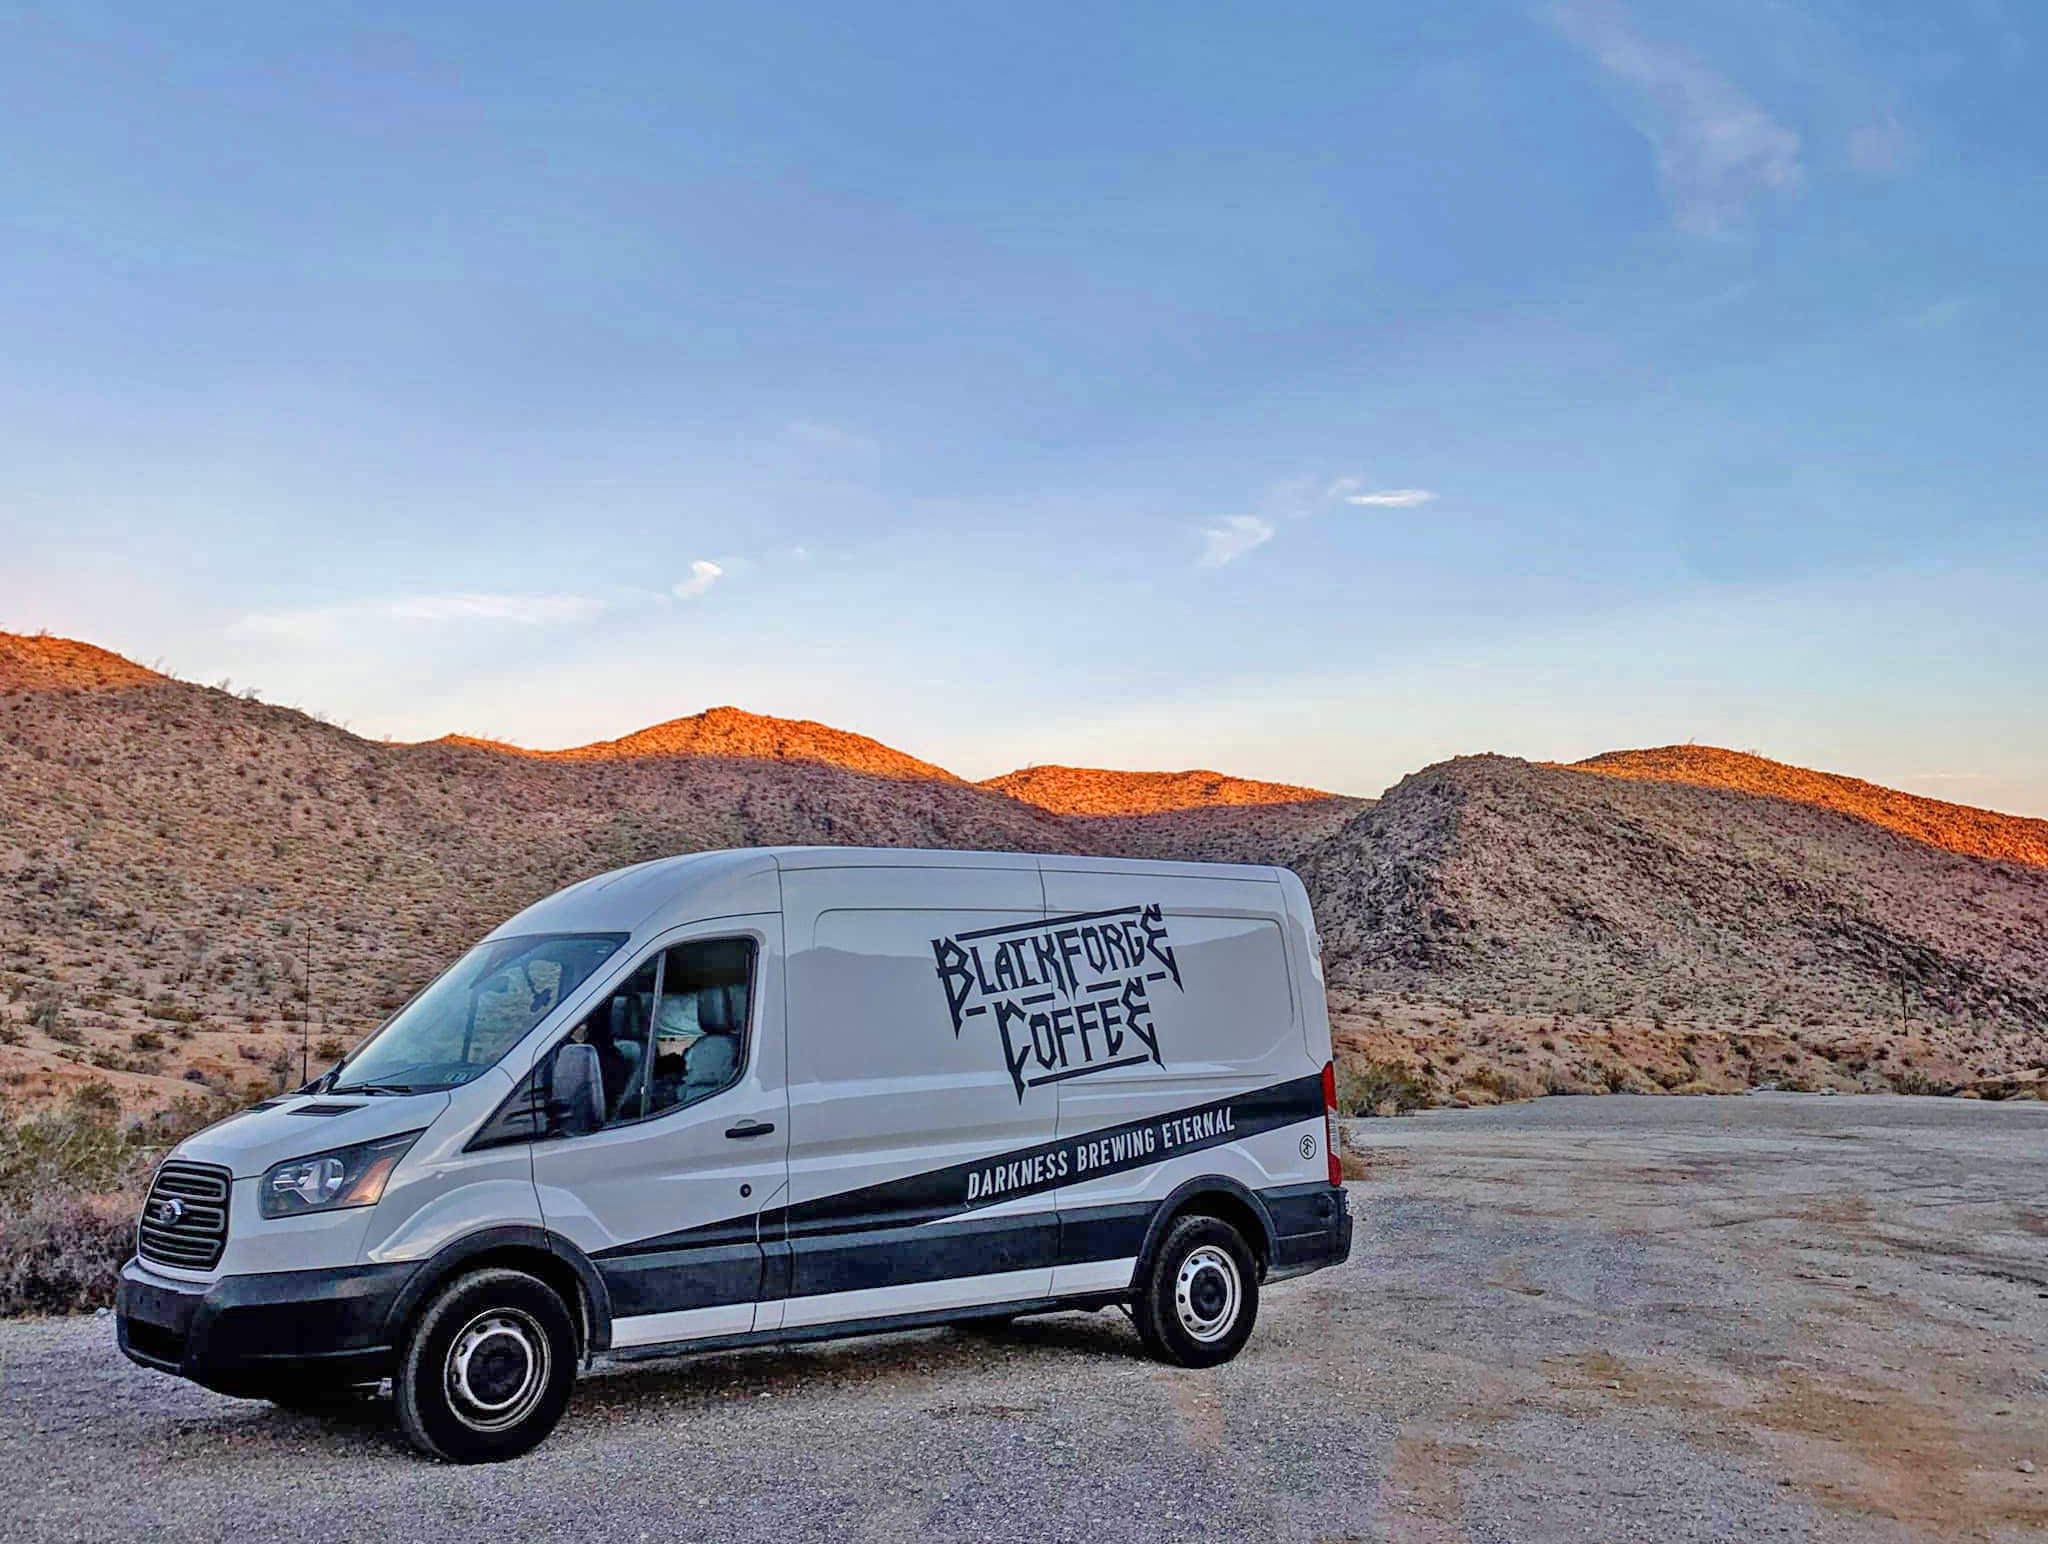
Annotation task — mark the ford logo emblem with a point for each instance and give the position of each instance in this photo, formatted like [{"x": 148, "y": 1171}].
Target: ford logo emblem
[{"x": 168, "y": 1210}]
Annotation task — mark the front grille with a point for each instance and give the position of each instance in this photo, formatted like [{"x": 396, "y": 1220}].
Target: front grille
[{"x": 193, "y": 1238}]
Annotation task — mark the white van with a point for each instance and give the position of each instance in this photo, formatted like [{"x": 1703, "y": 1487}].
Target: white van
[{"x": 769, "y": 1095}]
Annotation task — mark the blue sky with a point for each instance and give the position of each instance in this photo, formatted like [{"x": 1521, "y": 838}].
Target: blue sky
[{"x": 1313, "y": 391}]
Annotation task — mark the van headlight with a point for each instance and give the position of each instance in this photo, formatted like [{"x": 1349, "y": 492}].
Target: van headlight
[{"x": 347, "y": 1176}]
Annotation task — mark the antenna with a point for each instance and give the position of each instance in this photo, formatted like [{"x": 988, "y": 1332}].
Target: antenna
[{"x": 306, "y": 1018}]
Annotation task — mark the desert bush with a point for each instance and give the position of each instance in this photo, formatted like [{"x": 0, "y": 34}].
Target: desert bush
[
  {"x": 77, "y": 1149},
  {"x": 1504, "y": 1086},
  {"x": 146, "y": 1040},
  {"x": 1912, "y": 1082},
  {"x": 1368, "y": 1087},
  {"x": 62, "y": 1253},
  {"x": 71, "y": 1182}
]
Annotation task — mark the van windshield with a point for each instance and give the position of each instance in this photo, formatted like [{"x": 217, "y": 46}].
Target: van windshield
[{"x": 474, "y": 1012}]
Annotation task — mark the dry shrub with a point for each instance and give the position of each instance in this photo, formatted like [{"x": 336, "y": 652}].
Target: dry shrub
[
  {"x": 1366, "y": 1087},
  {"x": 71, "y": 1184},
  {"x": 1502, "y": 1084},
  {"x": 63, "y": 1254}
]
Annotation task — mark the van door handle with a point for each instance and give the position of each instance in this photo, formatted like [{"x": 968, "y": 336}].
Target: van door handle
[{"x": 751, "y": 1128}]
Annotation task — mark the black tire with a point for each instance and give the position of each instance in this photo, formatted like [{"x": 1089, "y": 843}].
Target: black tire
[
  {"x": 1199, "y": 1298},
  {"x": 486, "y": 1369}
]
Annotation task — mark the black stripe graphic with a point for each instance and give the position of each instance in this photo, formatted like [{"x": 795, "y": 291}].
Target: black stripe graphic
[{"x": 966, "y": 1187}]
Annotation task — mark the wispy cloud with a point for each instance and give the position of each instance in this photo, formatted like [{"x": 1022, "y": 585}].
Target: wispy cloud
[
  {"x": 1228, "y": 539},
  {"x": 1717, "y": 151},
  {"x": 1392, "y": 498},
  {"x": 314, "y": 623},
  {"x": 703, "y": 575},
  {"x": 1295, "y": 498}
]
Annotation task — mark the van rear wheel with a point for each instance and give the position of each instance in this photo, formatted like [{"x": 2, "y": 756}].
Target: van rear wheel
[
  {"x": 1199, "y": 1299},
  {"x": 487, "y": 1367}
]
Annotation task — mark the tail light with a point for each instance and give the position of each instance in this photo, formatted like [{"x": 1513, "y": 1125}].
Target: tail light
[{"x": 1330, "y": 1122}]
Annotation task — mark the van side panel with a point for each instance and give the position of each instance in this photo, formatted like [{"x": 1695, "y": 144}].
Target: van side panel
[
  {"x": 893, "y": 1107},
  {"x": 1232, "y": 1036}
]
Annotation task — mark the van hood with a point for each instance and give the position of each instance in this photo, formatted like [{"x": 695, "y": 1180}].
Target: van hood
[{"x": 300, "y": 1125}]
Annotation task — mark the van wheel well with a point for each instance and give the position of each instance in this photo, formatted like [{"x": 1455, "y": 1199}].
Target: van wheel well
[
  {"x": 548, "y": 1267},
  {"x": 1225, "y": 1207}
]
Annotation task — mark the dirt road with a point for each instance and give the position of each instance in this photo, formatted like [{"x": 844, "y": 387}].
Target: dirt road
[{"x": 1609, "y": 1319}]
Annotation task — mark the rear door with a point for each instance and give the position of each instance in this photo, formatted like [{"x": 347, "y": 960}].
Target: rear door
[
  {"x": 914, "y": 1186},
  {"x": 667, "y": 1197}
]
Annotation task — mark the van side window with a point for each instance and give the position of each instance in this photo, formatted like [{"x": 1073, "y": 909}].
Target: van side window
[
  {"x": 675, "y": 1031},
  {"x": 701, "y": 1024}
]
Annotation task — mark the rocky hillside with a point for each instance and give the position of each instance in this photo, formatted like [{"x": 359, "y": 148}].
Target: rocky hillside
[
  {"x": 1957, "y": 827},
  {"x": 1206, "y": 817},
  {"x": 1544, "y": 892},
  {"x": 174, "y": 858},
  {"x": 736, "y": 735},
  {"x": 1098, "y": 791},
  {"x": 165, "y": 848}
]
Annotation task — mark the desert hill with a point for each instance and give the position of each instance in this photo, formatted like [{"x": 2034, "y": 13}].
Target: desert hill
[
  {"x": 1098, "y": 791},
  {"x": 164, "y": 846},
  {"x": 736, "y": 734},
  {"x": 1555, "y": 893},
  {"x": 1957, "y": 827},
  {"x": 1206, "y": 817},
  {"x": 168, "y": 851},
  {"x": 63, "y": 664}
]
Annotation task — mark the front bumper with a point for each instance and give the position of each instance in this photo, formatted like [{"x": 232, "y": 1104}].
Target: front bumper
[{"x": 243, "y": 1334}]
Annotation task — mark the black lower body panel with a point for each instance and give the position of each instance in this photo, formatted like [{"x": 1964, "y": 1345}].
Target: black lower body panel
[
  {"x": 1311, "y": 1227},
  {"x": 247, "y": 1334}
]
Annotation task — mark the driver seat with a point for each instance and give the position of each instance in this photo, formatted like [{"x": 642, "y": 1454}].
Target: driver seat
[{"x": 712, "y": 1061}]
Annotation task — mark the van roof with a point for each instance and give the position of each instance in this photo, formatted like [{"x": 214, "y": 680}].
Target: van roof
[{"x": 737, "y": 880}]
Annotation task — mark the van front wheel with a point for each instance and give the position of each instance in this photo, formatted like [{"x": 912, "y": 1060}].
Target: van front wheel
[
  {"x": 1197, "y": 1303},
  {"x": 487, "y": 1368}
]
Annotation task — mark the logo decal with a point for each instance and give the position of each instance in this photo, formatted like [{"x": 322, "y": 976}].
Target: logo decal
[
  {"x": 1308, "y": 1147},
  {"x": 1067, "y": 996},
  {"x": 166, "y": 1211}
]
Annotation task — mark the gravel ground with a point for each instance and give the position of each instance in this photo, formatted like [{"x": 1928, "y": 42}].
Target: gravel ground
[{"x": 1615, "y": 1319}]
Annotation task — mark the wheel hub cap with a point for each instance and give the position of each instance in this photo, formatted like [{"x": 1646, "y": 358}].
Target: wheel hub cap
[
  {"x": 497, "y": 1368},
  {"x": 1207, "y": 1292}
]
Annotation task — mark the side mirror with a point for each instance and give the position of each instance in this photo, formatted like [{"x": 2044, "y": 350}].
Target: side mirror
[{"x": 576, "y": 1101}]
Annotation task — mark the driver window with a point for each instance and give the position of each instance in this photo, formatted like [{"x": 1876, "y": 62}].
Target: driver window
[
  {"x": 675, "y": 1031},
  {"x": 617, "y": 1029}
]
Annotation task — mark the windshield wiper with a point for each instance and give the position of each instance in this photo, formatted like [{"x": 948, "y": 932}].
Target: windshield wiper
[{"x": 373, "y": 1088}]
